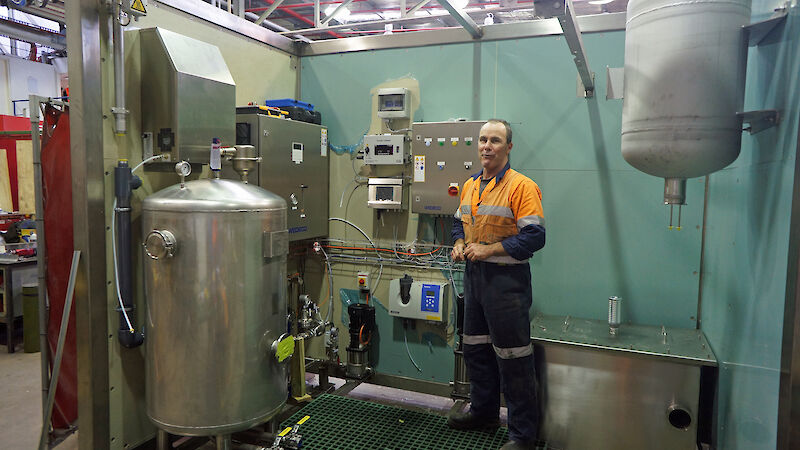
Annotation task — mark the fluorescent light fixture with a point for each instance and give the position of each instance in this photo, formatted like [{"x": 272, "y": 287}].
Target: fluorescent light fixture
[
  {"x": 600, "y": 2},
  {"x": 340, "y": 16},
  {"x": 459, "y": 4}
]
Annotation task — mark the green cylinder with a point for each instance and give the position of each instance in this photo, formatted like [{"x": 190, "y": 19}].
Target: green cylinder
[{"x": 30, "y": 318}]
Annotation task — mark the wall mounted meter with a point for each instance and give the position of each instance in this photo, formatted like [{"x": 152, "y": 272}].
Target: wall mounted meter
[
  {"x": 427, "y": 300},
  {"x": 386, "y": 193},
  {"x": 394, "y": 103},
  {"x": 382, "y": 149}
]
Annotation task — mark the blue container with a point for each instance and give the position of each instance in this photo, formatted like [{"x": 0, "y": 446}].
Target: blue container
[{"x": 287, "y": 102}]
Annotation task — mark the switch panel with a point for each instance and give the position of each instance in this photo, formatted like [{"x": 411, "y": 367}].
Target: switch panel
[
  {"x": 427, "y": 300},
  {"x": 445, "y": 155}
]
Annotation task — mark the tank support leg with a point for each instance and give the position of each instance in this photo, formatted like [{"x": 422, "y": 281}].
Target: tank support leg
[
  {"x": 162, "y": 440},
  {"x": 224, "y": 442}
]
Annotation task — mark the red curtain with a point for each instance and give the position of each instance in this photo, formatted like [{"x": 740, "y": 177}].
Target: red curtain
[{"x": 57, "y": 192}]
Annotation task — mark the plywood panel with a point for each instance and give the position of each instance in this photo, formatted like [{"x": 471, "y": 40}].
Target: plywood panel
[
  {"x": 5, "y": 183},
  {"x": 27, "y": 192}
]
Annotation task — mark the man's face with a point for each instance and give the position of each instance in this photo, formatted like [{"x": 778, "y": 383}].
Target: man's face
[{"x": 493, "y": 148}]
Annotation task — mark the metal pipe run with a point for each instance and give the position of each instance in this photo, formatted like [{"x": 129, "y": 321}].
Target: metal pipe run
[{"x": 119, "y": 110}]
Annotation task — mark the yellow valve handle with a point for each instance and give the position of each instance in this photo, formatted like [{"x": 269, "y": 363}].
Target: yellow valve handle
[{"x": 284, "y": 348}]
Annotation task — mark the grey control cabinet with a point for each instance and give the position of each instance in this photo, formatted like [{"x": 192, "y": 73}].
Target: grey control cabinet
[
  {"x": 445, "y": 155},
  {"x": 294, "y": 165}
]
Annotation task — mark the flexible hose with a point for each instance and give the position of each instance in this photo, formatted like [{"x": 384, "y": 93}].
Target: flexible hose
[{"x": 405, "y": 338}]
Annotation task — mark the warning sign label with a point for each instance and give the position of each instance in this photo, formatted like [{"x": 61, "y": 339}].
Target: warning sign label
[{"x": 137, "y": 5}]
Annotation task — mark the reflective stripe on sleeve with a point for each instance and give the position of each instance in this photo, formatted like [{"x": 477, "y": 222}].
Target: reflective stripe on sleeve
[
  {"x": 522, "y": 222},
  {"x": 457, "y": 215},
  {"x": 494, "y": 210},
  {"x": 513, "y": 352},
  {"x": 505, "y": 260},
  {"x": 465, "y": 210},
  {"x": 477, "y": 339}
]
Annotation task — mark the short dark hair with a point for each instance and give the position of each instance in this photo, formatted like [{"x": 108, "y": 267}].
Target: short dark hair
[{"x": 505, "y": 124}]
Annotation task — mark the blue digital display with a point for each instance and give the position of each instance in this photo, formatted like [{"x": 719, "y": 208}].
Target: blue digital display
[{"x": 430, "y": 298}]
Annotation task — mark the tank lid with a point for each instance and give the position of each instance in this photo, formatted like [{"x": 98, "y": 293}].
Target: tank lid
[{"x": 213, "y": 195}]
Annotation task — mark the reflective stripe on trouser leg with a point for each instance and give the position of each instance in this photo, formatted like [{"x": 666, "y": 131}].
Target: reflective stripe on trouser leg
[
  {"x": 507, "y": 296},
  {"x": 479, "y": 356}
]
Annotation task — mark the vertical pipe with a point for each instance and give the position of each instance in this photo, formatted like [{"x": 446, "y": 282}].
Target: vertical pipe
[
  {"x": 41, "y": 250},
  {"x": 162, "y": 440},
  {"x": 123, "y": 183},
  {"x": 119, "y": 110}
]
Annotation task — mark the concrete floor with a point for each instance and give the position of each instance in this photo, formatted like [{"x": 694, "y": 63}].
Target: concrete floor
[{"x": 21, "y": 402}]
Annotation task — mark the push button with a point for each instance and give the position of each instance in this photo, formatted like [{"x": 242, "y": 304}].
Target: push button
[{"x": 452, "y": 191}]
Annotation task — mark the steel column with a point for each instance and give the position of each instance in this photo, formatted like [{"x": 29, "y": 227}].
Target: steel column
[
  {"x": 789, "y": 390},
  {"x": 87, "y": 21}
]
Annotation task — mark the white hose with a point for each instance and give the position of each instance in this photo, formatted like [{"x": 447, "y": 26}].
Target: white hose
[
  {"x": 405, "y": 338},
  {"x": 380, "y": 273}
]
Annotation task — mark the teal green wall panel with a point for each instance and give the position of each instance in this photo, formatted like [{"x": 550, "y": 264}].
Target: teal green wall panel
[
  {"x": 744, "y": 285},
  {"x": 569, "y": 145}
]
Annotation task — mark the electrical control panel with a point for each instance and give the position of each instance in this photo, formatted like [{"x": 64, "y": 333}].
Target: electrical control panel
[
  {"x": 445, "y": 155},
  {"x": 427, "y": 300},
  {"x": 294, "y": 165},
  {"x": 385, "y": 149},
  {"x": 394, "y": 103}
]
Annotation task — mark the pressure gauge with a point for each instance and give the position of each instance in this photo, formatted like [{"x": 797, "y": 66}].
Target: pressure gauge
[{"x": 183, "y": 169}]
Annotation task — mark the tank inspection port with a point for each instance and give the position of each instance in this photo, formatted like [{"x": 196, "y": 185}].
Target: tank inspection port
[{"x": 679, "y": 417}]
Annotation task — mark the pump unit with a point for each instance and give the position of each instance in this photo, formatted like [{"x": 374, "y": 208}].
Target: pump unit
[{"x": 426, "y": 300}]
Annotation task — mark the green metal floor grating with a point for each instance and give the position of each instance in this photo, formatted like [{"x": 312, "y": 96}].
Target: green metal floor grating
[{"x": 337, "y": 422}]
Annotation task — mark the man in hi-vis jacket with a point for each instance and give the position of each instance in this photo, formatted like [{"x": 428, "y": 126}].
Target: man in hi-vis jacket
[{"x": 497, "y": 228}]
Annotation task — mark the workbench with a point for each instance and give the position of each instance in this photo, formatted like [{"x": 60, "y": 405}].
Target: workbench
[{"x": 14, "y": 275}]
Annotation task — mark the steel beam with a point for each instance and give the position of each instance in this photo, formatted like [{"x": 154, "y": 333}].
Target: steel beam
[
  {"x": 22, "y": 32},
  {"x": 88, "y": 28},
  {"x": 463, "y": 19},
  {"x": 416, "y": 7},
  {"x": 520, "y": 30},
  {"x": 269, "y": 11},
  {"x": 564, "y": 11},
  {"x": 218, "y": 17},
  {"x": 338, "y": 8}
]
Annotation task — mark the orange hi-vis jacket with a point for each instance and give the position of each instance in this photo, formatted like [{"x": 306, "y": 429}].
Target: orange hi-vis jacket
[{"x": 502, "y": 211}]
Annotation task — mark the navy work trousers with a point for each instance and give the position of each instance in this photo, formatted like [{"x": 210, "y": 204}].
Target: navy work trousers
[{"x": 497, "y": 345}]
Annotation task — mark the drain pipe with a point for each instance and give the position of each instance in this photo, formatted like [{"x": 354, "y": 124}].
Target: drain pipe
[
  {"x": 119, "y": 111},
  {"x": 124, "y": 183}
]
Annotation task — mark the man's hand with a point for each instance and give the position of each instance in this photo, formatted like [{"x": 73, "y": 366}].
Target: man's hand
[
  {"x": 479, "y": 252},
  {"x": 458, "y": 251}
]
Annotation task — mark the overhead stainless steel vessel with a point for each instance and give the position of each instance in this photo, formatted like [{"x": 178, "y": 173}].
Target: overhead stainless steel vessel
[
  {"x": 684, "y": 83},
  {"x": 215, "y": 270}
]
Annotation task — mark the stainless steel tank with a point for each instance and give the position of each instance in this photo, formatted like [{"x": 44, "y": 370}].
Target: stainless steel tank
[
  {"x": 685, "y": 67},
  {"x": 215, "y": 270}
]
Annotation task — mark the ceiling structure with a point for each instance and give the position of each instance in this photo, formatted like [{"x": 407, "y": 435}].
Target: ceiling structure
[{"x": 336, "y": 19}]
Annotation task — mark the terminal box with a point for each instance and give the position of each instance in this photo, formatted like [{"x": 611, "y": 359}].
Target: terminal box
[
  {"x": 385, "y": 149},
  {"x": 294, "y": 166},
  {"x": 427, "y": 300},
  {"x": 445, "y": 155}
]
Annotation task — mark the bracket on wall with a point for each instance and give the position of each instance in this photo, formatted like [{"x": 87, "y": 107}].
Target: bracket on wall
[
  {"x": 758, "y": 31},
  {"x": 758, "y": 121},
  {"x": 565, "y": 13}
]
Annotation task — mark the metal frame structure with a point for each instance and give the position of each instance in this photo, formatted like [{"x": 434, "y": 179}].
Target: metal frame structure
[
  {"x": 87, "y": 22},
  {"x": 789, "y": 390}
]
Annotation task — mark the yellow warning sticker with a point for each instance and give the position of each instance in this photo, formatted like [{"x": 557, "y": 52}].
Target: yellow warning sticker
[
  {"x": 137, "y": 5},
  {"x": 285, "y": 348},
  {"x": 303, "y": 420},
  {"x": 285, "y": 431},
  {"x": 433, "y": 317}
]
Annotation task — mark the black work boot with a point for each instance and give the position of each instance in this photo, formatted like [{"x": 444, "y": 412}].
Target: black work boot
[
  {"x": 517, "y": 445},
  {"x": 467, "y": 421}
]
